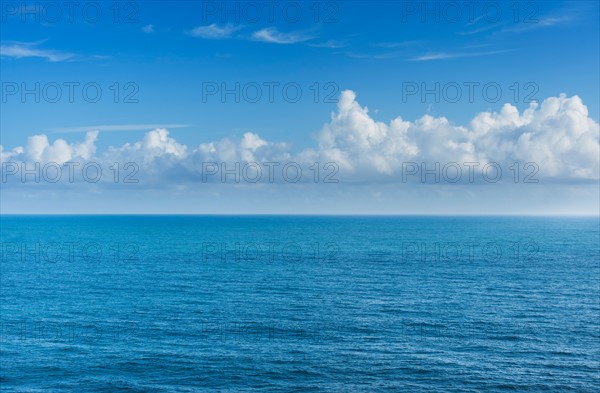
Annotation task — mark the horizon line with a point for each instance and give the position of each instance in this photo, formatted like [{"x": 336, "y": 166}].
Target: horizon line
[{"x": 558, "y": 215}]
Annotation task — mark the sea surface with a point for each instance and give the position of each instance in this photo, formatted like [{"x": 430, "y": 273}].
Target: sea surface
[{"x": 297, "y": 303}]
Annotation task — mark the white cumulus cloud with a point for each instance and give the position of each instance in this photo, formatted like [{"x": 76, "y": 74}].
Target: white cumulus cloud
[
  {"x": 557, "y": 134},
  {"x": 39, "y": 149}
]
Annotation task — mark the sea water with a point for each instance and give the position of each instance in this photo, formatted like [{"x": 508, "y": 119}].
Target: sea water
[{"x": 297, "y": 303}]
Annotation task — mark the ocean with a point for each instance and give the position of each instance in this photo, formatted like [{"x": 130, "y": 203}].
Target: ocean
[{"x": 299, "y": 303}]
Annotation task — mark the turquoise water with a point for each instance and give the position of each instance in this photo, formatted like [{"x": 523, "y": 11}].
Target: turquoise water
[{"x": 210, "y": 303}]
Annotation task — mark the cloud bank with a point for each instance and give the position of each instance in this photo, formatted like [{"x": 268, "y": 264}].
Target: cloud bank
[{"x": 557, "y": 134}]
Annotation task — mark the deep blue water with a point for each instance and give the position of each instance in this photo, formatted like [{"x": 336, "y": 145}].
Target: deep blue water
[{"x": 168, "y": 303}]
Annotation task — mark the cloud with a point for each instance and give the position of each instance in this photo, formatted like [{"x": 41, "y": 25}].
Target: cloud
[
  {"x": 251, "y": 147},
  {"x": 331, "y": 44},
  {"x": 155, "y": 144},
  {"x": 214, "y": 31},
  {"x": 39, "y": 149},
  {"x": 274, "y": 36},
  {"x": 541, "y": 23},
  {"x": 379, "y": 56},
  {"x": 270, "y": 35},
  {"x": 149, "y": 29},
  {"x": 23, "y": 50},
  {"x": 115, "y": 127},
  {"x": 357, "y": 142},
  {"x": 401, "y": 44},
  {"x": 524, "y": 26},
  {"x": 557, "y": 134},
  {"x": 393, "y": 50},
  {"x": 481, "y": 29},
  {"x": 454, "y": 55}
]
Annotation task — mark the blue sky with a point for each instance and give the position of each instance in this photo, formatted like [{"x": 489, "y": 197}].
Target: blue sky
[{"x": 163, "y": 54}]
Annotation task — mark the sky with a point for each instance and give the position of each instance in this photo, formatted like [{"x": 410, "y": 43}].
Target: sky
[{"x": 331, "y": 107}]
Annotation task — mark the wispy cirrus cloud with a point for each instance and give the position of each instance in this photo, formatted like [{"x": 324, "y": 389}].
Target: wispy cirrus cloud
[
  {"x": 539, "y": 24},
  {"x": 374, "y": 56},
  {"x": 214, "y": 31},
  {"x": 20, "y": 50},
  {"x": 274, "y": 36},
  {"x": 481, "y": 29},
  {"x": 271, "y": 35},
  {"x": 400, "y": 44},
  {"x": 331, "y": 44},
  {"x": 523, "y": 26},
  {"x": 115, "y": 127},
  {"x": 455, "y": 55}
]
